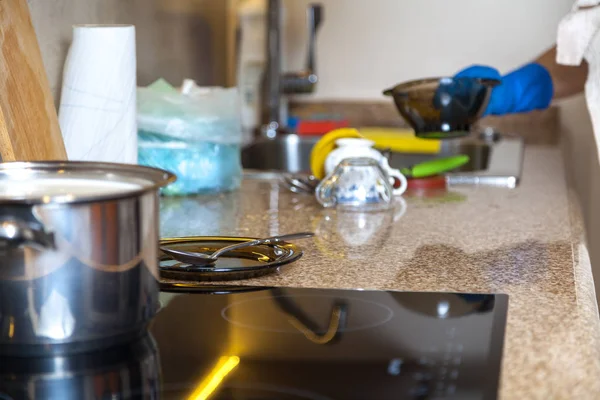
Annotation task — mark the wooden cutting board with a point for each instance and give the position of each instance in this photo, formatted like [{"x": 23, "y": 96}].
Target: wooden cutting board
[{"x": 29, "y": 127}]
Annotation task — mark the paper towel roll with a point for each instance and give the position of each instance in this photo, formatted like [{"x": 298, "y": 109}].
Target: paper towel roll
[{"x": 97, "y": 112}]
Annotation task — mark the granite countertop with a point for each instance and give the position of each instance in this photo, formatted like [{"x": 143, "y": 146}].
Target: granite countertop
[{"x": 527, "y": 243}]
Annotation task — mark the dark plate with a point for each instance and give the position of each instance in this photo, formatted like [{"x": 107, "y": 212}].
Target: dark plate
[
  {"x": 194, "y": 287},
  {"x": 246, "y": 263}
]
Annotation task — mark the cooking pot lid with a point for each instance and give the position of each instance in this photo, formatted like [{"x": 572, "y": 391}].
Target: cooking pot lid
[{"x": 76, "y": 182}]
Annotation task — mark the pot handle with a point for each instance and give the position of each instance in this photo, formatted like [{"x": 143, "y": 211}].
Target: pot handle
[{"x": 15, "y": 233}]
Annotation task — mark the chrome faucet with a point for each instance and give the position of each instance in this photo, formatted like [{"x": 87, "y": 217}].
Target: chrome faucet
[{"x": 276, "y": 83}]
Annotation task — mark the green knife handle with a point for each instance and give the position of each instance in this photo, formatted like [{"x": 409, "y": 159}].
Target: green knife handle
[{"x": 436, "y": 167}]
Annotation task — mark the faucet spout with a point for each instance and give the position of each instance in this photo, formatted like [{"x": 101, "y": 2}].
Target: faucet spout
[
  {"x": 276, "y": 84},
  {"x": 272, "y": 80}
]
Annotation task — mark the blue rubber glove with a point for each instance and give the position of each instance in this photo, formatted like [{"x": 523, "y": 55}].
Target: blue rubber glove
[{"x": 525, "y": 89}]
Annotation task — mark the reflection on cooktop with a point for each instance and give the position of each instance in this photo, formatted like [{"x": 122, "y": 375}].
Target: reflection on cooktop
[
  {"x": 276, "y": 343},
  {"x": 286, "y": 314},
  {"x": 129, "y": 371},
  {"x": 251, "y": 391}
]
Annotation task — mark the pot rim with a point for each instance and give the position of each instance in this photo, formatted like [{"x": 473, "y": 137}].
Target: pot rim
[{"x": 154, "y": 177}]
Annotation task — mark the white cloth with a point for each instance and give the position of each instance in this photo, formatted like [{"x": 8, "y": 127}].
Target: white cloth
[{"x": 579, "y": 39}]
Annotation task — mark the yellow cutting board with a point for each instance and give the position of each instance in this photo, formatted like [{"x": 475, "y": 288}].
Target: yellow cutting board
[{"x": 400, "y": 140}]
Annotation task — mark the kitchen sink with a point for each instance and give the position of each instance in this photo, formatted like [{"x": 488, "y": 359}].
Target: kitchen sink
[
  {"x": 286, "y": 153},
  {"x": 478, "y": 152},
  {"x": 495, "y": 159}
]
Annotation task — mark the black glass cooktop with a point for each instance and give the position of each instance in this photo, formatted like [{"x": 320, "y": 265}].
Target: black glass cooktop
[{"x": 283, "y": 343}]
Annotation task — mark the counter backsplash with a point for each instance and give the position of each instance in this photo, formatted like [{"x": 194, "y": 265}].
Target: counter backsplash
[{"x": 538, "y": 127}]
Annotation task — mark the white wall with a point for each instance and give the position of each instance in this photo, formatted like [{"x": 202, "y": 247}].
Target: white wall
[
  {"x": 365, "y": 46},
  {"x": 175, "y": 39}
]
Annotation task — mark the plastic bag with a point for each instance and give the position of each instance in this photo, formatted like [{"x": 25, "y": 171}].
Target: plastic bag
[{"x": 195, "y": 133}]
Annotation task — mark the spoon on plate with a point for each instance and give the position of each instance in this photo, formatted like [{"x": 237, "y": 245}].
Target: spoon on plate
[{"x": 202, "y": 259}]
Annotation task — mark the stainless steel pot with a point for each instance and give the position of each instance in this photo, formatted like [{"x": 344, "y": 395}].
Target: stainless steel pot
[
  {"x": 131, "y": 371},
  {"x": 78, "y": 268}
]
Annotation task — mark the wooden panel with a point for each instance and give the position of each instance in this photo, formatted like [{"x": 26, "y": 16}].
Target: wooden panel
[{"x": 29, "y": 127}]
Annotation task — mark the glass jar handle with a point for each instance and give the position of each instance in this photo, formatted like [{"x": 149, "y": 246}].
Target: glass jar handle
[
  {"x": 393, "y": 175},
  {"x": 325, "y": 191}
]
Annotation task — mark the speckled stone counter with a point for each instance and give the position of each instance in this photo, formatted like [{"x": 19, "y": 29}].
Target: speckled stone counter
[{"x": 527, "y": 242}]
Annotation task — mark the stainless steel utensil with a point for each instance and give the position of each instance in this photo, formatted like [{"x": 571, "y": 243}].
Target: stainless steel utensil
[
  {"x": 79, "y": 265},
  {"x": 301, "y": 183},
  {"x": 201, "y": 259}
]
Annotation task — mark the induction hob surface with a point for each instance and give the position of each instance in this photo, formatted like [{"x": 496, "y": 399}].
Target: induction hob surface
[
  {"x": 291, "y": 343},
  {"x": 286, "y": 343}
]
